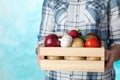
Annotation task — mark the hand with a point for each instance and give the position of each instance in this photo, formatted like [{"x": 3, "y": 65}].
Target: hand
[
  {"x": 109, "y": 59},
  {"x": 38, "y": 60},
  {"x": 37, "y": 51},
  {"x": 39, "y": 57}
]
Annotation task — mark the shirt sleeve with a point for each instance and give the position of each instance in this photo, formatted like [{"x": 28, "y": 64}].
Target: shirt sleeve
[
  {"x": 47, "y": 25},
  {"x": 114, "y": 21}
]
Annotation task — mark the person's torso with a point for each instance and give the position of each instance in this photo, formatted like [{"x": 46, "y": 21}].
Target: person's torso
[{"x": 88, "y": 16}]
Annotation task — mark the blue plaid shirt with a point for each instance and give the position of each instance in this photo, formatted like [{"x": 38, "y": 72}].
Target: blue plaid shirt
[{"x": 99, "y": 16}]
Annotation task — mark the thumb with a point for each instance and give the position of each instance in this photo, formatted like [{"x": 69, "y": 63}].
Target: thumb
[
  {"x": 110, "y": 62},
  {"x": 107, "y": 55}
]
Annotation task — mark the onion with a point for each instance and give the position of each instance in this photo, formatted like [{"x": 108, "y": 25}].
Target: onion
[{"x": 51, "y": 40}]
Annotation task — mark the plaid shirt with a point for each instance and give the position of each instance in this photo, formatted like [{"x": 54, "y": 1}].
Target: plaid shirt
[{"x": 99, "y": 16}]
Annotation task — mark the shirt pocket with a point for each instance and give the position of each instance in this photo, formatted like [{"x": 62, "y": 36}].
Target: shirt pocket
[
  {"x": 76, "y": 15},
  {"x": 97, "y": 10},
  {"x": 60, "y": 14}
]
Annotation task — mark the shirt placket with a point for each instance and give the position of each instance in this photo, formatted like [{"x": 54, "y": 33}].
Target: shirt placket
[
  {"x": 71, "y": 75},
  {"x": 78, "y": 11},
  {"x": 73, "y": 14}
]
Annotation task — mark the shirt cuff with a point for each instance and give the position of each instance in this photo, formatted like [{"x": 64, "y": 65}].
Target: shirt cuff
[{"x": 114, "y": 43}]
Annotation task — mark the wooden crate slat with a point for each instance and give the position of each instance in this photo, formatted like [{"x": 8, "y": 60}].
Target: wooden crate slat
[
  {"x": 69, "y": 65},
  {"x": 58, "y": 51}
]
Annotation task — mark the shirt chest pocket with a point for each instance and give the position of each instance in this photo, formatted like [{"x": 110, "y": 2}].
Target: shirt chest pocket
[
  {"x": 60, "y": 15},
  {"x": 77, "y": 15},
  {"x": 86, "y": 13}
]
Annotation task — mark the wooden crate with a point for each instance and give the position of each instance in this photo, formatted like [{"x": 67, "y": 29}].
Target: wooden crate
[{"x": 72, "y": 65}]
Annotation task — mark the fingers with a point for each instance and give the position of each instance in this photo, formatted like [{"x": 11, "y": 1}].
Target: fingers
[
  {"x": 109, "y": 62},
  {"x": 107, "y": 55},
  {"x": 38, "y": 49},
  {"x": 38, "y": 60}
]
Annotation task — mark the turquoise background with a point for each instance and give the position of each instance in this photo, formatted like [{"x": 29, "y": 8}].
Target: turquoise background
[{"x": 19, "y": 27}]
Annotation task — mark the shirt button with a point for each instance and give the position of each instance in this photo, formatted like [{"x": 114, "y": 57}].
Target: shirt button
[
  {"x": 70, "y": 74},
  {"x": 70, "y": 78},
  {"x": 76, "y": 15}
]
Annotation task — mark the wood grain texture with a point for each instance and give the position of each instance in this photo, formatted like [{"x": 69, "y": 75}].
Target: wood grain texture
[
  {"x": 73, "y": 65},
  {"x": 69, "y": 51}
]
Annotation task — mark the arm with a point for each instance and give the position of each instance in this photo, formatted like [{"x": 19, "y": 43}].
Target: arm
[
  {"x": 114, "y": 27},
  {"x": 47, "y": 23},
  {"x": 47, "y": 26}
]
